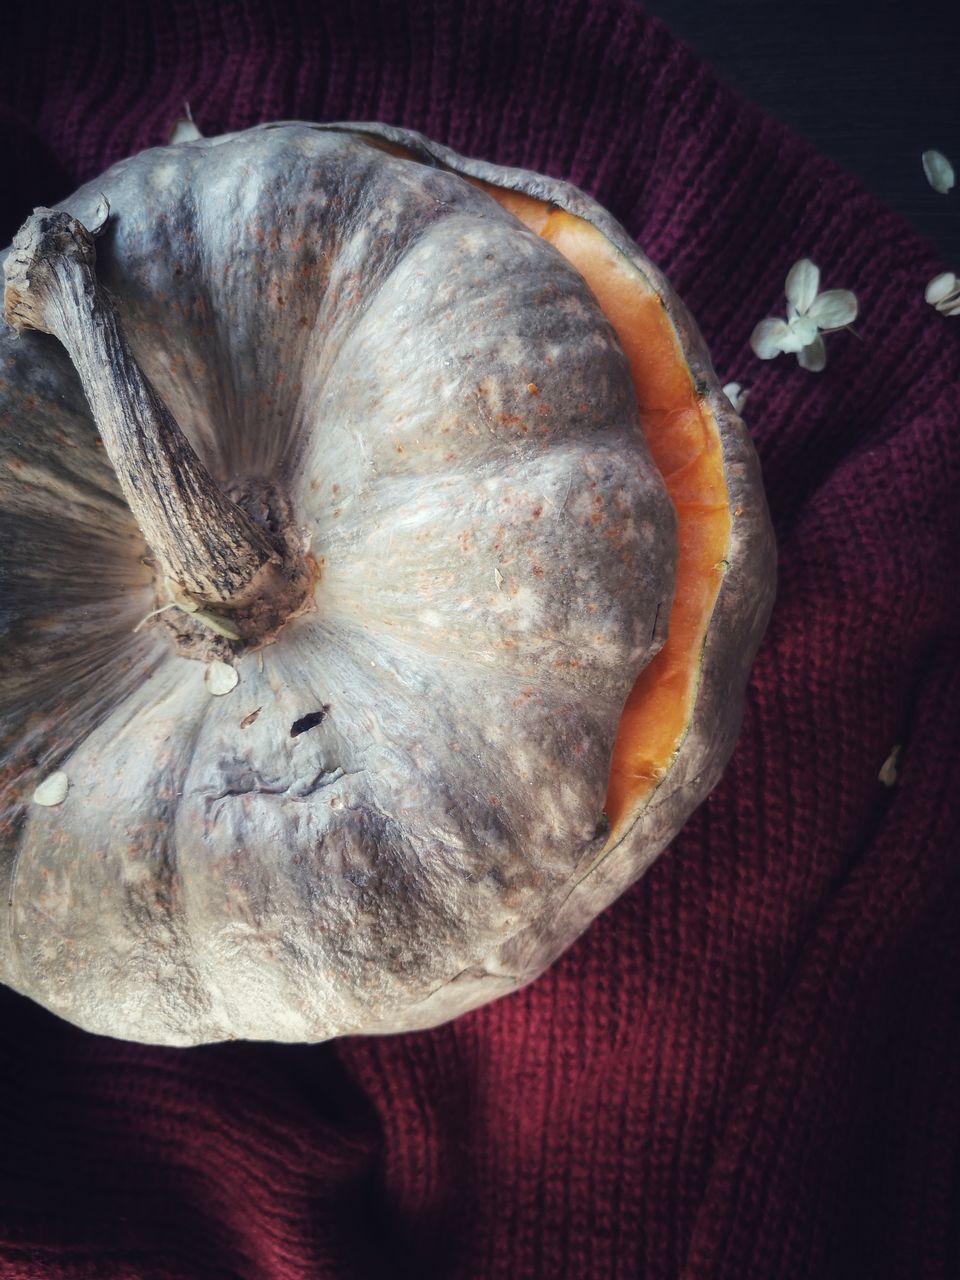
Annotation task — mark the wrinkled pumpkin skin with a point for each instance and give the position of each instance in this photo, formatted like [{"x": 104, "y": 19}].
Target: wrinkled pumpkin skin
[{"x": 436, "y": 393}]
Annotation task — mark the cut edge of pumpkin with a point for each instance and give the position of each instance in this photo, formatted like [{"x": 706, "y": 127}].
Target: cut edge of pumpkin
[{"x": 684, "y": 438}]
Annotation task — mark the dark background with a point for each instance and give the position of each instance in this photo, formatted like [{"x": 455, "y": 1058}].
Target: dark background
[{"x": 871, "y": 83}]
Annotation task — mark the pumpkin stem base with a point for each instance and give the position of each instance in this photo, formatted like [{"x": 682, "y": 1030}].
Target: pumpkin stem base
[
  {"x": 204, "y": 635},
  {"x": 227, "y": 561}
]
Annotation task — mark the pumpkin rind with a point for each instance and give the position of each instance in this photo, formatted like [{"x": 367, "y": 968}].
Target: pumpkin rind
[
  {"x": 423, "y": 847},
  {"x": 737, "y": 623}
]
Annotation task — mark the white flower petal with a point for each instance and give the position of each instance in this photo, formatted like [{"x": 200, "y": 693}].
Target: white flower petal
[
  {"x": 889, "y": 770},
  {"x": 813, "y": 357},
  {"x": 793, "y": 343},
  {"x": 801, "y": 332},
  {"x": 184, "y": 131},
  {"x": 221, "y": 678},
  {"x": 736, "y": 395},
  {"x": 939, "y": 171},
  {"x": 52, "y": 790},
  {"x": 803, "y": 281},
  {"x": 834, "y": 309},
  {"x": 766, "y": 339},
  {"x": 940, "y": 287}
]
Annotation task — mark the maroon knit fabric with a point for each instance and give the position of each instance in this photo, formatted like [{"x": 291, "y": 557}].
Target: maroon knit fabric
[{"x": 749, "y": 1067}]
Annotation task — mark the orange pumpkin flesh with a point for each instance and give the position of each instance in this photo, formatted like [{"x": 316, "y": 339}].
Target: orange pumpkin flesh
[{"x": 685, "y": 442}]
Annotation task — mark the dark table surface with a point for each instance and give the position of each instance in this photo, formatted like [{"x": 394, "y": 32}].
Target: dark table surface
[{"x": 871, "y": 83}]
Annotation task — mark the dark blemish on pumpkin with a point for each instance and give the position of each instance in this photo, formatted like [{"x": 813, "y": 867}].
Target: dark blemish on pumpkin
[
  {"x": 533, "y": 388},
  {"x": 399, "y": 448},
  {"x": 247, "y": 721},
  {"x": 656, "y": 619},
  {"x": 309, "y": 721},
  {"x": 701, "y": 388},
  {"x": 537, "y": 512},
  {"x": 602, "y": 827},
  {"x": 30, "y": 402},
  {"x": 596, "y": 517},
  {"x": 538, "y": 570}
]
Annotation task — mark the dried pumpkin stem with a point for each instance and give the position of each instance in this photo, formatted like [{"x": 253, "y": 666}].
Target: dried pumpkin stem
[{"x": 204, "y": 543}]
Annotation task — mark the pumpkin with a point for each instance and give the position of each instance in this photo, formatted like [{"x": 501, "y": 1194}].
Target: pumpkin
[{"x": 382, "y": 571}]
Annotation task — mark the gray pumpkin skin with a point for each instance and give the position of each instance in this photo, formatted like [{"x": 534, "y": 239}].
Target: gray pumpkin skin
[{"x": 435, "y": 391}]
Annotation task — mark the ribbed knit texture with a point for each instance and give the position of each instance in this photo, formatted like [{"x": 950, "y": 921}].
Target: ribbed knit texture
[{"x": 749, "y": 1067}]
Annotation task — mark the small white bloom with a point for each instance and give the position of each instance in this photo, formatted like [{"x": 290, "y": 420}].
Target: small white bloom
[
  {"x": 184, "y": 129},
  {"x": 737, "y": 395},
  {"x": 943, "y": 292},
  {"x": 802, "y": 286},
  {"x": 221, "y": 678},
  {"x": 52, "y": 790},
  {"x": 938, "y": 170},
  {"x": 890, "y": 769},
  {"x": 809, "y": 315}
]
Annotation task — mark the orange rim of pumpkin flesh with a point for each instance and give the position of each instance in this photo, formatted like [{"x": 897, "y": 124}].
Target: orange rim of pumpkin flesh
[{"x": 684, "y": 439}]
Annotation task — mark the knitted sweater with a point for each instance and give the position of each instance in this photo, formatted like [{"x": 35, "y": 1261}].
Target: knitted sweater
[{"x": 749, "y": 1066}]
